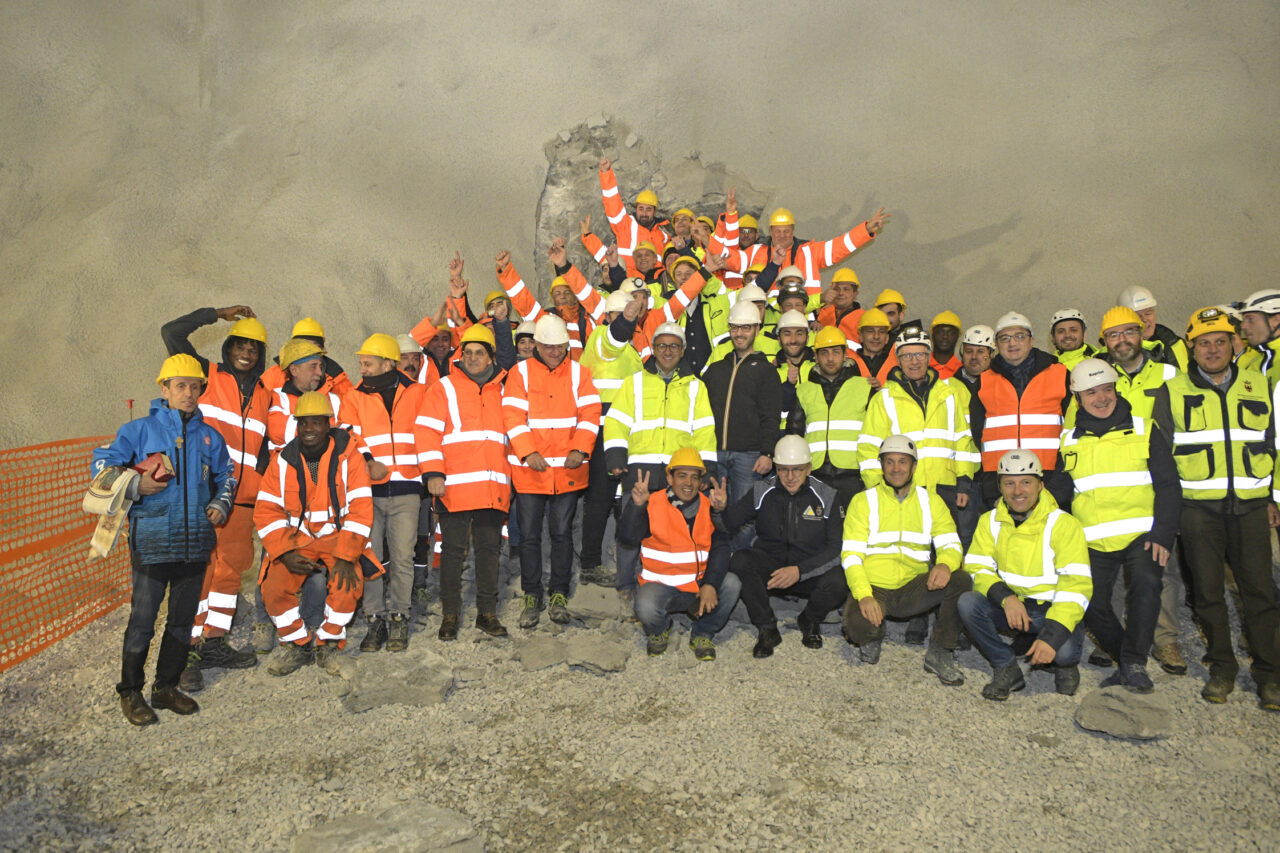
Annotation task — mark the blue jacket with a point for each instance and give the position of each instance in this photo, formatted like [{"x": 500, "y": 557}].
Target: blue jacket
[{"x": 171, "y": 525}]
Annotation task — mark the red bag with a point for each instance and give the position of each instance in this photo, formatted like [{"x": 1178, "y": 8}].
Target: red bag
[{"x": 158, "y": 466}]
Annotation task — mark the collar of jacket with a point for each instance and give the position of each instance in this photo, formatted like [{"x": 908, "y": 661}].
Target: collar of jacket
[
  {"x": 160, "y": 408},
  {"x": 848, "y": 371},
  {"x": 1200, "y": 381},
  {"x": 375, "y": 384},
  {"x": 1120, "y": 418},
  {"x": 1045, "y": 505},
  {"x": 682, "y": 368},
  {"x": 1040, "y": 360},
  {"x": 806, "y": 354},
  {"x": 930, "y": 379}
]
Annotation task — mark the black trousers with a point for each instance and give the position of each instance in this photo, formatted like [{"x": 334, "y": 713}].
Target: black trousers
[
  {"x": 484, "y": 528},
  {"x": 597, "y": 505},
  {"x": 753, "y": 567},
  {"x": 183, "y": 582},
  {"x": 1144, "y": 581},
  {"x": 911, "y": 600}
]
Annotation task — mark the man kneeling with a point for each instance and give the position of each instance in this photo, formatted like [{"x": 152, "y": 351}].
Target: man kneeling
[{"x": 684, "y": 559}]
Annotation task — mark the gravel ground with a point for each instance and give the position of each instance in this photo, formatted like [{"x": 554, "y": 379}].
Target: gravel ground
[{"x": 808, "y": 749}]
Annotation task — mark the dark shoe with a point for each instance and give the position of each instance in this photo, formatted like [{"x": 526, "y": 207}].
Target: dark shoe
[
  {"x": 136, "y": 710},
  {"x": 704, "y": 649},
  {"x": 397, "y": 632},
  {"x": 597, "y": 575},
  {"x": 766, "y": 641},
  {"x": 172, "y": 699},
  {"x": 216, "y": 653},
  {"x": 532, "y": 608},
  {"x": 1115, "y": 679},
  {"x": 1135, "y": 678},
  {"x": 810, "y": 631},
  {"x": 192, "y": 679},
  {"x": 1170, "y": 659},
  {"x": 558, "y": 609},
  {"x": 1005, "y": 680},
  {"x": 964, "y": 643},
  {"x": 291, "y": 658},
  {"x": 1066, "y": 679},
  {"x": 376, "y": 637},
  {"x": 870, "y": 652},
  {"x": 942, "y": 663},
  {"x": 1218, "y": 689},
  {"x": 1100, "y": 659},
  {"x": 917, "y": 630},
  {"x": 489, "y": 624},
  {"x": 421, "y": 597},
  {"x": 658, "y": 643},
  {"x": 327, "y": 657},
  {"x": 1269, "y": 696},
  {"x": 449, "y": 627}
]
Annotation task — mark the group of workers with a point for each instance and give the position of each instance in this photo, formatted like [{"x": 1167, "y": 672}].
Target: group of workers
[{"x": 751, "y": 433}]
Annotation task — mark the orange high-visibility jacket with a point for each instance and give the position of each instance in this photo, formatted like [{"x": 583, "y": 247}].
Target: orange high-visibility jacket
[
  {"x": 885, "y": 369},
  {"x": 1032, "y": 422},
  {"x": 947, "y": 370},
  {"x": 399, "y": 440},
  {"x": 814, "y": 256},
  {"x": 281, "y": 424},
  {"x": 737, "y": 260},
  {"x": 847, "y": 324},
  {"x": 551, "y": 412},
  {"x": 467, "y": 442},
  {"x": 592, "y": 306},
  {"x": 626, "y": 230},
  {"x": 670, "y": 554},
  {"x": 242, "y": 424}
]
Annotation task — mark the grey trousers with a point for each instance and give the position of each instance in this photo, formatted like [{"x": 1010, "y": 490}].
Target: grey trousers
[{"x": 395, "y": 533}]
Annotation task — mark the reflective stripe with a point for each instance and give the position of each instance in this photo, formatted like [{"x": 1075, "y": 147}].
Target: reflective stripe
[
  {"x": 1241, "y": 483},
  {"x": 668, "y": 580},
  {"x": 476, "y": 477},
  {"x": 474, "y": 435},
  {"x": 222, "y": 599},
  {"x": 1121, "y": 480},
  {"x": 218, "y": 619},
  {"x": 1217, "y": 436}
]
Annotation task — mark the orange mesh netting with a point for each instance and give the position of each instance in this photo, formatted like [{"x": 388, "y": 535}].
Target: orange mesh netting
[{"x": 48, "y": 585}]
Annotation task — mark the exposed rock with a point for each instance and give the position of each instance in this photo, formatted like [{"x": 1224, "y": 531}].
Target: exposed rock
[
  {"x": 403, "y": 828},
  {"x": 1121, "y": 713},
  {"x": 595, "y": 603},
  {"x": 541, "y": 652},
  {"x": 416, "y": 677},
  {"x": 596, "y": 655}
]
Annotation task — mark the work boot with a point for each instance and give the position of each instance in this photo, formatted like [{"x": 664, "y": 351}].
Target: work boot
[
  {"x": 264, "y": 637},
  {"x": 421, "y": 597},
  {"x": 1100, "y": 659},
  {"x": 327, "y": 657},
  {"x": 658, "y": 643},
  {"x": 1004, "y": 681},
  {"x": 172, "y": 699},
  {"x": 397, "y": 632},
  {"x": 532, "y": 607},
  {"x": 558, "y": 609},
  {"x": 376, "y": 637},
  {"x": 216, "y": 653},
  {"x": 942, "y": 663},
  {"x": 1136, "y": 678},
  {"x": 136, "y": 710},
  {"x": 704, "y": 648},
  {"x": 870, "y": 652},
  {"x": 627, "y": 598},
  {"x": 1066, "y": 679},
  {"x": 1218, "y": 688},
  {"x": 1269, "y": 696},
  {"x": 917, "y": 630},
  {"x": 767, "y": 640},
  {"x": 489, "y": 624},
  {"x": 810, "y": 631},
  {"x": 192, "y": 679},
  {"x": 1170, "y": 659},
  {"x": 448, "y": 627},
  {"x": 597, "y": 575},
  {"x": 291, "y": 658}
]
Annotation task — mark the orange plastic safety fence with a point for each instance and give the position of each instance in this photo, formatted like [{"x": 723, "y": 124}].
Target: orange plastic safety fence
[{"x": 48, "y": 585}]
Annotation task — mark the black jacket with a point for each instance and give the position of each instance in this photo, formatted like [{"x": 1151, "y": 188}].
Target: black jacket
[
  {"x": 750, "y": 394},
  {"x": 804, "y": 529}
]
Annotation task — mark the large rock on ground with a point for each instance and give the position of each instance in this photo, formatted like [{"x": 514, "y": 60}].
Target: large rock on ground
[
  {"x": 404, "y": 828},
  {"x": 415, "y": 677},
  {"x": 1121, "y": 713},
  {"x": 596, "y": 655},
  {"x": 541, "y": 652},
  {"x": 594, "y": 604}
]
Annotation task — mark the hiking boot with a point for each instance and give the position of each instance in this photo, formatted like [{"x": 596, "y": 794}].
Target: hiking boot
[
  {"x": 327, "y": 657},
  {"x": 627, "y": 598},
  {"x": 1135, "y": 678},
  {"x": 489, "y": 624},
  {"x": 264, "y": 638},
  {"x": 1066, "y": 679},
  {"x": 810, "y": 631},
  {"x": 217, "y": 653},
  {"x": 172, "y": 699},
  {"x": 1115, "y": 679},
  {"x": 558, "y": 609},
  {"x": 942, "y": 663},
  {"x": 291, "y": 658},
  {"x": 870, "y": 652},
  {"x": 767, "y": 640},
  {"x": 448, "y": 627},
  {"x": 703, "y": 648},
  {"x": 1218, "y": 688},
  {"x": 376, "y": 637},
  {"x": 397, "y": 632},
  {"x": 597, "y": 575},
  {"x": 192, "y": 679},
  {"x": 532, "y": 607},
  {"x": 917, "y": 630},
  {"x": 658, "y": 643},
  {"x": 1269, "y": 696},
  {"x": 1170, "y": 659},
  {"x": 421, "y": 596},
  {"x": 1004, "y": 681},
  {"x": 136, "y": 710}
]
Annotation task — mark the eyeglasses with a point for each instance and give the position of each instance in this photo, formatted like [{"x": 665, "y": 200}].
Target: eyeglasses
[
  {"x": 1117, "y": 334},
  {"x": 912, "y": 356},
  {"x": 1015, "y": 336},
  {"x": 669, "y": 347}
]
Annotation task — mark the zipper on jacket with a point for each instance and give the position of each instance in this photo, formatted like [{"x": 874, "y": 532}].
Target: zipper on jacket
[{"x": 182, "y": 481}]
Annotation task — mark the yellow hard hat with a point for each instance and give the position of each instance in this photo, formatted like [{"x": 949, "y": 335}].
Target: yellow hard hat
[
  {"x": 248, "y": 327},
  {"x": 829, "y": 336},
  {"x": 873, "y": 317},
  {"x": 648, "y": 197},
  {"x": 296, "y": 349},
  {"x": 781, "y": 216},
  {"x": 479, "y": 333},
  {"x": 180, "y": 365},
  {"x": 748, "y": 221},
  {"x": 313, "y": 403},
  {"x": 1120, "y": 316},
  {"x": 708, "y": 221},
  {"x": 308, "y": 328},
  {"x": 1210, "y": 319},
  {"x": 492, "y": 295},
  {"x": 889, "y": 296},
  {"x": 685, "y": 259},
  {"x": 559, "y": 282},
  {"x": 758, "y": 266},
  {"x": 946, "y": 318},
  {"x": 845, "y": 274},
  {"x": 380, "y": 345},
  {"x": 684, "y": 211},
  {"x": 645, "y": 244},
  {"x": 686, "y": 457}
]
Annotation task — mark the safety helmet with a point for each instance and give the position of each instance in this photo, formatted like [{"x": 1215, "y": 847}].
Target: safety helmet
[
  {"x": 792, "y": 289},
  {"x": 946, "y": 318},
  {"x": 708, "y": 221},
  {"x": 1233, "y": 313},
  {"x": 873, "y": 317},
  {"x": 380, "y": 346},
  {"x": 1017, "y": 462},
  {"x": 889, "y": 296},
  {"x": 558, "y": 281},
  {"x": 550, "y": 330},
  {"x": 757, "y": 267},
  {"x": 408, "y": 344},
  {"x": 746, "y": 220},
  {"x": 781, "y": 216},
  {"x": 248, "y": 327},
  {"x": 630, "y": 286},
  {"x": 898, "y": 444},
  {"x": 685, "y": 259},
  {"x": 492, "y": 295},
  {"x": 648, "y": 197},
  {"x": 912, "y": 336},
  {"x": 1120, "y": 315},
  {"x": 830, "y": 336},
  {"x": 791, "y": 450},
  {"x": 616, "y": 301},
  {"x": 793, "y": 320},
  {"x": 686, "y": 457},
  {"x": 307, "y": 328},
  {"x": 846, "y": 274},
  {"x": 1136, "y": 297},
  {"x": 674, "y": 329},
  {"x": 791, "y": 271},
  {"x": 744, "y": 313},
  {"x": 1012, "y": 320},
  {"x": 1210, "y": 319},
  {"x": 1066, "y": 314},
  {"x": 1090, "y": 373},
  {"x": 684, "y": 211},
  {"x": 525, "y": 329},
  {"x": 313, "y": 403},
  {"x": 478, "y": 333},
  {"x": 980, "y": 336},
  {"x": 296, "y": 349},
  {"x": 646, "y": 244},
  {"x": 1262, "y": 301},
  {"x": 752, "y": 293},
  {"x": 180, "y": 365}
]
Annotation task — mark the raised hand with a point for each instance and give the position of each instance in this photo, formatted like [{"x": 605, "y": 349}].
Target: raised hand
[
  {"x": 714, "y": 263},
  {"x": 458, "y": 287},
  {"x": 876, "y": 223},
  {"x": 235, "y": 312},
  {"x": 611, "y": 255},
  {"x": 778, "y": 255},
  {"x": 731, "y": 201},
  {"x": 557, "y": 253},
  {"x": 640, "y": 491},
  {"x": 455, "y": 265},
  {"x": 719, "y": 494},
  {"x": 502, "y": 260},
  {"x": 605, "y": 164},
  {"x": 584, "y": 225}
]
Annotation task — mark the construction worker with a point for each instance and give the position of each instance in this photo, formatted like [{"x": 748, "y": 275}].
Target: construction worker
[
  {"x": 794, "y": 358},
  {"x": 1030, "y": 567},
  {"x": 629, "y": 230},
  {"x": 944, "y": 332},
  {"x": 830, "y": 404},
  {"x": 813, "y": 256},
  {"x": 171, "y": 531},
  {"x": 1260, "y": 324},
  {"x": 736, "y": 238},
  {"x": 976, "y": 349},
  {"x": 1220, "y": 416},
  {"x": 574, "y": 300},
  {"x": 791, "y": 296},
  {"x": 412, "y": 361},
  {"x": 302, "y": 362},
  {"x": 1143, "y": 302},
  {"x": 842, "y": 309},
  {"x": 891, "y": 573},
  {"x": 766, "y": 341},
  {"x": 1128, "y": 499},
  {"x": 796, "y": 548},
  {"x": 875, "y": 359},
  {"x": 314, "y": 514},
  {"x": 235, "y": 403},
  {"x": 524, "y": 340},
  {"x": 1067, "y": 328},
  {"x": 706, "y": 317},
  {"x": 552, "y": 415},
  {"x": 685, "y": 558},
  {"x": 682, "y": 232},
  {"x": 1020, "y": 404},
  {"x": 385, "y": 412},
  {"x": 894, "y": 307},
  {"x": 310, "y": 330}
]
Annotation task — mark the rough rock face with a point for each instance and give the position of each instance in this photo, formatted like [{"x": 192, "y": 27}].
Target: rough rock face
[
  {"x": 405, "y": 828},
  {"x": 1120, "y": 713},
  {"x": 416, "y": 677},
  {"x": 572, "y": 188}
]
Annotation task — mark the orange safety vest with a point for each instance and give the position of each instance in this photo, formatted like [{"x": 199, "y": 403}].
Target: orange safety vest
[
  {"x": 1031, "y": 422},
  {"x": 628, "y": 232},
  {"x": 946, "y": 371},
  {"x": 467, "y": 442},
  {"x": 242, "y": 425},
  {"x": 848, "y": 323},
  {"x": 282, "y": 426},
  {"x": 551, "y": 412},
  {"x": 670, "y": 554},
  {"x": 885, "y": 369},
  {"x": 590, "y": 305},
  {"x": 398, "y": 441}
]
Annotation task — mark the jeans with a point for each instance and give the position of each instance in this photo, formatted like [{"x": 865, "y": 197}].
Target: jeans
[
  {"x": 985, "y": 622},
  {"x": 484, "y": 527},
  {"x": 654, "y": 601},
  {"x": 911, "y": 599},
  {"x": 559, "y": 511},
  {"x": 183, "y": 582},
  {"x": 1128, "y": 643},
  {"x": 736, "y": 467},
  {"x": 967, "y": 519},
  {"x": 752, "y": 567},
  {"x": 395, "y": 532},
  {"x": 597, "y": 505},
  {"x": 1170, "y": 597}
]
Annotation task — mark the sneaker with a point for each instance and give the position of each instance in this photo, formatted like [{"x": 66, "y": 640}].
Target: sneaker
[
  {"x": 172, "y": 699},
  {"x": 942, "y": 663},
  {"x": 489, "y": 624},
  {"x": 136, "y": 710},
  {"x": 766, "y": 641},
  {"x": 376, "y": 637},
  {"x": 217, "y": 653},
  {"x": 1170, "y": 659},
  {"x": 1066, "y": 679},
  {"x": 917, "y": 630},
  {"x": 532, "y": 607},
  {"x": 397, "y": 632},
  {"x": 264, "y": 637},
  {"x": 703, "y": 648},
  {"x": 1135, "y": 678},
  {"x": 1005, "y": 680},
  {"x": 192, "y": 679},
  {"x": 658, "y": 643},
  {"x": 558, "y": 609},
  {"x": 291, "y": 658},
  {"x": 810, "y": 631},
  {"x": 870, "y": 652},
  {"x": 627, "y": 599},
  {"x": 448, "y": 627},
  {"x": 1269, "y": 696},
  {"x": 1218, "y": 688},
  {"x": 327, "y": 657}
]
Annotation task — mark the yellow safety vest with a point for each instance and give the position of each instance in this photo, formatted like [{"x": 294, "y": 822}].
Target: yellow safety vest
[
  {"x": 1114, "y": 499},
  {"x": 610, "y": 363},
  {"x": 652, "y": 419},
  {"x": 887, "y": 541},
  {"x": 1220, "y": 440},
  {"x": 833, "y": 430},
  {"x": 944, "y": 444}
]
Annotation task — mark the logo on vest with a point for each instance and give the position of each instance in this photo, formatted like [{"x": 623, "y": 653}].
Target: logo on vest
[{"x": 1248, "y": 386}]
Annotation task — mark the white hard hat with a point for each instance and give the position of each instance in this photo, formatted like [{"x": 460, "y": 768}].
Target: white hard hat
[
  {"x": 744, "y": 314},
  {"x": 616, "y": 301},
  {"x": 791, "y": 450},
  {"x": 525, "y": 328},
  {"x": 898, "y": 444},
  {"x": 550, "y": 330},
  {"x": 630, "y": 286},
  {"x": 792, "y": 271},
  {"x": 1066, "y": 314},
  {"x": 1012, "y": 320},
  {"x": 1136, "y": 297},
  {"x": 752, "y": 293},
  {"x": 1262, "y": 301},
  {"x": 408, "y": 344},
  {"x": 913, "y": 336},
  {"x": 1018, "y": 461},
  {"x": 669, "y": 329},
  {"x": 980, "y": 336},
  {"x": 1090, "y": 373},
  {"x": 792, "y": 320},
  {"x": 1234, "y": 313}
]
